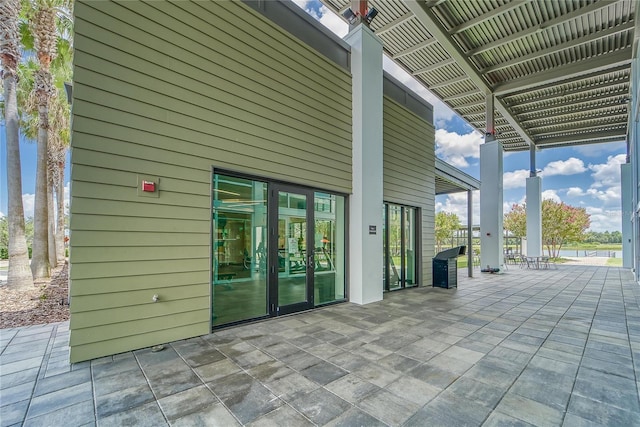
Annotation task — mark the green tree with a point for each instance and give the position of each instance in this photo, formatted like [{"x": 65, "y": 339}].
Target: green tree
[
  {"x": 562, "y": 223},
  {"x": 446, "y": 224},
  {"x": 18, "y": 274},
  {"x": 4, "y": 238},
  {"x": 515, "y": 221}
]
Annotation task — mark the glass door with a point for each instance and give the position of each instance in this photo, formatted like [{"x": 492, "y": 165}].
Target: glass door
[
  {"x": 401, "y": 243},
  {"x": 291, "y": 249}
]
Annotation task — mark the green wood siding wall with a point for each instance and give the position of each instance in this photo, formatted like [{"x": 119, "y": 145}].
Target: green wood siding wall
[
  {"x": 409, "y": 171},
  {"x": 167, "y": 90}
]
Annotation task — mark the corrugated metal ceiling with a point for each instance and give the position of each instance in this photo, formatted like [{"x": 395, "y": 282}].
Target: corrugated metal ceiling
[{"x": 560, "y": 70}]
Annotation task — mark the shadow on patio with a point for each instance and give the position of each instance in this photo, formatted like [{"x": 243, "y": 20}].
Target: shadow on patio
[{"x": 539, "y": 347}]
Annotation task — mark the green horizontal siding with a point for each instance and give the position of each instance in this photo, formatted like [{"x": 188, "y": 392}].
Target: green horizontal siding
[
  {"x": 95, "y": 286},
  {"x": 409, "y": 171},
  {"x": 141, "y": 301},
  {"x": 106, "y": 315},
  {"x": 152, "y": 336},
  {"x": 169, "y": 90}
]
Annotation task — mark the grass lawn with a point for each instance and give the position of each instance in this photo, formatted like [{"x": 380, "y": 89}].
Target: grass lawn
[
  {"x": 614, "y": 262},
  {"x": 462, "y": 262}
]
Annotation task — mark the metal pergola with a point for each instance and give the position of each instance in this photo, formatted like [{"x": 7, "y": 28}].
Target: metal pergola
[{"x": 559, "y": 71}]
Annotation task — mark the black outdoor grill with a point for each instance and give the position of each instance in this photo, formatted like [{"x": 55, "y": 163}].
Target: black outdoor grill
[{"x": 445, "y": 267}]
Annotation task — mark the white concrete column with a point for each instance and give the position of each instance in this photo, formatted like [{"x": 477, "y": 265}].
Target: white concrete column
[
  {"x": 366, "y": 202},
  {"x": 534, "y": 216},
  {"x": 491, "y": 213},
  {"x": 627, "y": 214}
]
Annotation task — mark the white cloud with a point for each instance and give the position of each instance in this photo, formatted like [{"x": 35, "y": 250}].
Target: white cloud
[
  {"x": 515, "y": 179},
  {"x": 570, "y": 166},
  {"x": 332, "y": 21},
  {"x": 551, "y": 195},
  {"x": 302, "y": 4},
  {"x": 2, "y": 214},
  {"x": 575, "y": 192},
  {"x": 608, "y": 174},
  {"x": 457, "y": 203},
  {"x": 454, "y": 148},
  {"x": 28, "y": 200},
  {"x": 604, "y": 219},
  {"x": 610, "y": 196}
]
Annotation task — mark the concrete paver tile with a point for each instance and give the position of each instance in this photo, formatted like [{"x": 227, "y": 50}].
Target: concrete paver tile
[
  {"x": 147, "y": 415},
  {"x": 21, "y": 365},
  {"x": 282, "y": 416},
  {"x": 323, "y": 372},
  {"x": 355, "y": 417},
  {"x": 388, "y": 407},
  {"x": 216, "y": 370},
  {"x": 498, "y": 419},
  {"x": 215, "y": 415},
  {"x": 413, "y": 390},
  {"x": 291, "y": 387},
  {"x": 19, "y": 377},
  {"x": 77, "y": 414},
  {"x": 123, "y": 400},
  {"x": 13, "y": 413},
  {"x": 529, "y": 410},
  {"x": 476, "y": 391},
  {"x": 245, "y": 397},
  {"x": 601, "y": 413},
  {"x": 59, "y": 399},
  {"x": 352, "y": 388},
  {"x": 187, "y": 402},
  {"x": 17, "y": 393},
  {"x": 449, "y": 410},
  {"x": 59, "y": 382},
  {"x": 270, "y": 371},
  {"x": 320, "y": 406}
]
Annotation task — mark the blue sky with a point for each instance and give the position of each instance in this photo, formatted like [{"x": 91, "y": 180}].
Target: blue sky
[
  {"x": 28, "y": 164},
  {"x": 586, "y": 176}
]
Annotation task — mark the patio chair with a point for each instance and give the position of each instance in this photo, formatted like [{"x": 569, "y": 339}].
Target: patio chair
[
  {"x": 544, "y": 262},
  {"x": 522, "y": 261}
]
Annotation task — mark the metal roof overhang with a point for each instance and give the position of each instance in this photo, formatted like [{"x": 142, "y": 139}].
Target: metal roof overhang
[
  {"x": 560, "y": 71},
  {"x": 452, "y": 180}
]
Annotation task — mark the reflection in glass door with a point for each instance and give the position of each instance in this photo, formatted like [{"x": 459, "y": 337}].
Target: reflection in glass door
[
  {"x": 276, "y": 249},
  {"x": 329, "y": 257},
  {"x": 400, "y": 246},
  {"x": 292, "y": 251},
  {"x": 239, "y": 259},
  {"x": 394, "y": 247},
  {"x": 293, "y": 269}
]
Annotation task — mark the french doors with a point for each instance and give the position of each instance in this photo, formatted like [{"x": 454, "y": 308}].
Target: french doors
[{"x": 277, "y": 248}]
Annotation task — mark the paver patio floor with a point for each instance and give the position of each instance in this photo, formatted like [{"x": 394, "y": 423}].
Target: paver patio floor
[{"x": 543, "y": 347}]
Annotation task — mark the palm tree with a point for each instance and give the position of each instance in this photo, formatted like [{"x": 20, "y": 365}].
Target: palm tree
[
  {"x": 60, "y": 114},
  {"x": 45, "y": 43},
  {"x": 59, "y": 139},
  {"x": 18, "y": 274},
  {"x": 58, "y": 131}
]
